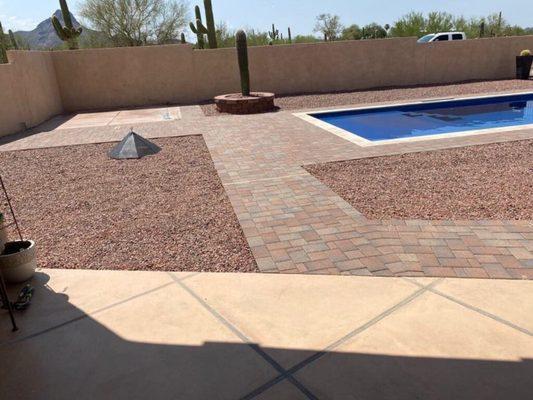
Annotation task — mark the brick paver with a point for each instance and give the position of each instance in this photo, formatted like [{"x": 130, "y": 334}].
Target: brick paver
[{"x": 295, "y": 224}]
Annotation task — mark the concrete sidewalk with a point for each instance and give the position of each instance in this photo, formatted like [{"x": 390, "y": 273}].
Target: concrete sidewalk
[{"x": 138, "y": 335}]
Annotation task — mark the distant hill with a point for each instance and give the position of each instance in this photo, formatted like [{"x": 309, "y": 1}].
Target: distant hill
[{"x": 45, "y": 37}]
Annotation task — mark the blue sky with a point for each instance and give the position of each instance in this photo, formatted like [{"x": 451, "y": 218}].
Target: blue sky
[{"x": 298, "y": 14}]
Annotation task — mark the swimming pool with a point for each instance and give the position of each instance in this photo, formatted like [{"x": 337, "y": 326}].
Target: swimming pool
[{"x": 428, "y": 119}]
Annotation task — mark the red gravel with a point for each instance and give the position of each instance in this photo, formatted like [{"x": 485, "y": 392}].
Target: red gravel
[
  {"x": 164, "y": 212},
  {"x": 299, "y": 102},
  {"x": 480, "y": 182}
]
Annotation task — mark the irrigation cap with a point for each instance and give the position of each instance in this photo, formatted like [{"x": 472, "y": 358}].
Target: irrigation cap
[{"x": 133, "y": 146}]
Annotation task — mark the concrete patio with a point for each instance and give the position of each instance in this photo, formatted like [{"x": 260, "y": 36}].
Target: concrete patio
[{"x": 138, "y": 335}]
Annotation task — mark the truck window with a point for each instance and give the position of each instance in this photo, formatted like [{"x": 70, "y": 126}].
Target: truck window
[
  {"x": 457, "y": 36},
  {"x": 441, "y": 38}
]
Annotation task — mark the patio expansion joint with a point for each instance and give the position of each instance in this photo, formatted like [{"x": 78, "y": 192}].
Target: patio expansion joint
[
  {"x": 475, "y": 309},
  {"x": 114, "y": 117},
  {"x": 350, "y": 335},
  {"x": 255, "y": 347},
  {"x": 95, "y": 312}
]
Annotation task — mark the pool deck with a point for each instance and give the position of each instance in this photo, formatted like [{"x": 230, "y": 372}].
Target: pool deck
[
  {"x": 295, "y": 224},
  {"x": 348, "y": 130}
]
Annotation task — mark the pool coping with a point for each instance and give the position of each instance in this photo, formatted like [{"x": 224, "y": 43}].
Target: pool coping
[{"x": 361, "y": 141}]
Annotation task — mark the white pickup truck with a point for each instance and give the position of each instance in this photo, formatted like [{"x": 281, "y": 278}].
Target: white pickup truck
[{"x": 442, "y": 36}]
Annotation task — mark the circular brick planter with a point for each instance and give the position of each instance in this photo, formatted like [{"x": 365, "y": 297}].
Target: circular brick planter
[{"x": 236, "y": 103}]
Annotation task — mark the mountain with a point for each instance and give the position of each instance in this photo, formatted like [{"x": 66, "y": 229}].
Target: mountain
[{"x": 45, "y": 37}]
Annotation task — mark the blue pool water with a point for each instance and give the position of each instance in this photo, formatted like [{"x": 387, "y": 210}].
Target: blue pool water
[{"x": 433, "y": 118}]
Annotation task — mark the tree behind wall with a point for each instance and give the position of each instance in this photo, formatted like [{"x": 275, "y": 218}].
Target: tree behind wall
[
  {"x": 329, "y": 26},
  {"x": 437, "y": 21},
  {"x": 136, "y": 23},
  {"x": 416, "y": 24},
  {"x": 412, "y": 24},
  {"x": 353, "y": 32},
  {"x": 374, "y": 31}
]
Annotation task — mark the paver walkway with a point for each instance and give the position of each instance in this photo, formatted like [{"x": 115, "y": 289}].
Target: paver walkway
[
  {"x": 193, "y": 336},
  {"x": 295, "y": 224}
]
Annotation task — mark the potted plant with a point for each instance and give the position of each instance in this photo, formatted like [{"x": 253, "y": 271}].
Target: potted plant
[
  {"x": 17, "y": 261},
  {"x": 3, "y": 232},
  {"x": 523, "y": 64}
]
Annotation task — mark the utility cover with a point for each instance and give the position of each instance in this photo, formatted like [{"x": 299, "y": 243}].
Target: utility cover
[{"x": 133, "y": 146}]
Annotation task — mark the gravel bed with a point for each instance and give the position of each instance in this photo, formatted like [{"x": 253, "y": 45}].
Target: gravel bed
[
  {"x": 390, "y": 94},
  {"x": 164, "y": 212},
  {"x": 479, "y": 182}
]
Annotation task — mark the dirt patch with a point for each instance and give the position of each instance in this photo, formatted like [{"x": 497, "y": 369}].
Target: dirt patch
[
  {"x": 479, "y": 182},
  {"x": 163, "y": 212},
  {"x": 383, "y": 95}
]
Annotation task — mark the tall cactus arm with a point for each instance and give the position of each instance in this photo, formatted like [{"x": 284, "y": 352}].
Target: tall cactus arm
[
  {"x": 242, "y": 55},
  {"x": 274, "y": 33},
  {"x": 3, "y": 52},
  {"x": 59, "y": 29},
  {"x": 14, "y": 43},
  {"x": 199, "y": 30},
  {"x": 66, "y": 33},
  {"x": 200, "y": 27},
  {"x": 66, "y": 13},
  {"x": 211, "y": 31}
]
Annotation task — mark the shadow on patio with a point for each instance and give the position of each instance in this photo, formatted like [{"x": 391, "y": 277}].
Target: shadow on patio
[{"x": 85, "y": 359}]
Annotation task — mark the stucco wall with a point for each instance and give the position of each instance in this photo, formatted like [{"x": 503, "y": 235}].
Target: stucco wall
[
  {"x": 29, "y": 92},
  {"x": 106, "y": 78},
  {"x": 38, "y": 85}
]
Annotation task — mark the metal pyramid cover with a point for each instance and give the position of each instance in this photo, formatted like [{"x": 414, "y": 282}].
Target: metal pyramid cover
[{"x": 133, "y": 146}]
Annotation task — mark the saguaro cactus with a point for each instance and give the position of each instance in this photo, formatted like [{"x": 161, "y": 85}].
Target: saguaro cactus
[
  {"x": 66, "y": 33},
  {"x": 200, "y": 29},
  {"x": 274, "y": 33},
  {"x": 242, "y": 55},
  {"x": 3, "y": 51},
  {"x": 290, "y": 35},
  {"x": 14, "y": 43},
  {"x": 183, "y": 40},
  {"x": 210, "y": 21}
]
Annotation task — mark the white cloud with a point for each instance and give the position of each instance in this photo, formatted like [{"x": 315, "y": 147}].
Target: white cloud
[{"x": 17, "y": 24}]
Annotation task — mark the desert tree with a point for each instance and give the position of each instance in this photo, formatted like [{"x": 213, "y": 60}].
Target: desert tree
[
  {"x": 352, "y": 32},
  {"x": 329, "y": 26},
  {"x": 438, "y": 21},
  {"x": 374, "y": 31},
  {"x": 416, "y": 24},
  {"x": 412, "y": 24},
  {"x": 225, "y": 35},
  {"x": 136, "y": 22}
]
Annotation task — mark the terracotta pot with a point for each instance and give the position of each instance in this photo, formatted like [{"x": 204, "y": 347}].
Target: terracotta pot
[
  {"x": 3, "y": 236},
  {"x": 18, "y": 261}
]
